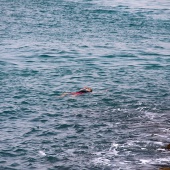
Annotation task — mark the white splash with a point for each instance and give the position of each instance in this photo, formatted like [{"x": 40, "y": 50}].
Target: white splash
[
  {"x": 101, "y": 161},
  {"x": 144, "y": 161},
  {"x": 42, "y": 153}
]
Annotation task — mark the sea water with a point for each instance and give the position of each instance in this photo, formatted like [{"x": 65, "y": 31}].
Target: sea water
[{"x": 119, "y": 48}]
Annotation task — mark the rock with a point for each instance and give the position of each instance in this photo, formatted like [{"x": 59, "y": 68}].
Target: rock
[
  {"x": 165, "y": 168},
  {"x": 167, "y": 147}
]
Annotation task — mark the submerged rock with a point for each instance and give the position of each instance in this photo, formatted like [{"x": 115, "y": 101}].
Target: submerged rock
[
  {"x": 167, "y": 147},
  {"x": 165, "y": 168}
]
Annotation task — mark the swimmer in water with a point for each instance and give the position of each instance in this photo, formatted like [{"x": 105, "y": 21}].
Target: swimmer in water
[{"x": 80, "y": 92}]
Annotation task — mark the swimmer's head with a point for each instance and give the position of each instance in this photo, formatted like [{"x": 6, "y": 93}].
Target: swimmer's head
[{"x": 88, "y": 89}]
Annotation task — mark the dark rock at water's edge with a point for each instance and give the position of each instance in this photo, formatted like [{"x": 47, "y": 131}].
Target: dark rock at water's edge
[
  {"x": 165, "y": 168},
  {"x": 166, "y": 147}
]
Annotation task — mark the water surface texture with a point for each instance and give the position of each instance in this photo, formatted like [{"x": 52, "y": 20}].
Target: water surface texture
[{"x": 119, "y": 48}]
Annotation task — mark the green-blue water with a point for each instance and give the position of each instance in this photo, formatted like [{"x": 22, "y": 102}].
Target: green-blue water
[{"x": 120, "y": 49}]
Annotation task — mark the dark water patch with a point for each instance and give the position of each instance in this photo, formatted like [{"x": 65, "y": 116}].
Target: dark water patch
[
  {"x": 3, "y": 63},
  {"x": 153, "y": 66},
  {"x": 151, "y": 54},
  {"x": 109, "y": 56},
  {"x": 7, "y": 153},
  {"x": 46, "y": 56},
  {"x": 14, "y": 165},
  {"x": 7, "y": 168},
  {"x": 104, "y": 11},
  {"x": 8, "y": 112}
]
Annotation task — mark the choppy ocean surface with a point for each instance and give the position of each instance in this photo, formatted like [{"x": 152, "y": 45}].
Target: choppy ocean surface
[{"x": 120, "y": 49}]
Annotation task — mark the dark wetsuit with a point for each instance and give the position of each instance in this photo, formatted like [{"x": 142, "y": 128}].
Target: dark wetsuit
[{"x": 79, "y": 92}]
